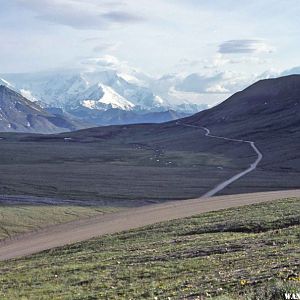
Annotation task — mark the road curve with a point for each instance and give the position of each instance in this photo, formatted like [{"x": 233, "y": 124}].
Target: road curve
[
  {"x": 68, "y": 233},
  {"x": 234, "y": 178}
]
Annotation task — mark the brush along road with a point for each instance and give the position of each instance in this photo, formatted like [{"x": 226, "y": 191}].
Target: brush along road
[{"x": 68, "y": 233}]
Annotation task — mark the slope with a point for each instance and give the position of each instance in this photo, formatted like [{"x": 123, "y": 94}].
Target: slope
[
  {"x": 243, "y": 251},
  {"x": 17, "y": 114},
  {"x": 268, "y": 112}
]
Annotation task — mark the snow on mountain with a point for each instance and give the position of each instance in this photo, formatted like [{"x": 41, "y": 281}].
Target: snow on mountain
[
  {"x": 129, "y": 87},
  {"x": 62, "y": 90},
  {"x": 132, "y": 79},
  {"x": 27, "y": 94},
  {"x": 104, "y": 90},
  {"x": 65, "y": 89},
  {"x": 52, "y": 88},
  {"x": 104, "y": 97},
  {"x": 6, "y": 83}
]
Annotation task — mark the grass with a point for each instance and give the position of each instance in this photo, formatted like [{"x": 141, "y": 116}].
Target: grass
[
  {"x": 250, "y": 252},
  {"x": 158, "y": 161},
  {"x": 101, "y": 165},
  {"x": 16, "y": 219}
]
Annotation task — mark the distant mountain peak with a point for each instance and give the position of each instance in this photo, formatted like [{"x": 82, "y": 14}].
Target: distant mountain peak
[{"x": 102, "y": 97}]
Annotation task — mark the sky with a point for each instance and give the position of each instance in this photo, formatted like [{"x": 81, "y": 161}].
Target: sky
[{"x": 241, "y": 40}]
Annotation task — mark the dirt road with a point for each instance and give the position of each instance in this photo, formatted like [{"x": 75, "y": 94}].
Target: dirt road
[
  {"x": 234, "y": 178},
  {"x": 81, "y": 230}
]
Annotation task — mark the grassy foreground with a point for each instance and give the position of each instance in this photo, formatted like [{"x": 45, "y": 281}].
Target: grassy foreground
[
  {"x": 16, "y": 219},
  {"x": 244, "y": 253}
]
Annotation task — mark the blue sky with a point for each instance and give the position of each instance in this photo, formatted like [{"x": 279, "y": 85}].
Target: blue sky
[{"x": 158, "y": 36}]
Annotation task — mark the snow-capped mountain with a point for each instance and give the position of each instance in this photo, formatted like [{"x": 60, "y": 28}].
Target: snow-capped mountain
[
  {"x": 130, "y": 88},
  {"x": 66, "y": 89},
  {"x": 53, "y": 89},
  {"x": 103, "y": 97},
  {"x": 100, "y": 90}
]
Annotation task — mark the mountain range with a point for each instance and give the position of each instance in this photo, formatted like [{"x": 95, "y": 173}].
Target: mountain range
[{"x": 102, "y": 97}]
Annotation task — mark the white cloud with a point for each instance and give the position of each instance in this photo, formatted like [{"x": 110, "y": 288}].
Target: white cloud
[
  {"x": 108, "y": 62},
  {"x": 199, "y": 83},
  {"x": 217, "y": 61},
  {"x": 220, "y": 60},
  {"x": 217, "y": 89},
  {"x": 173, "y": 29},
  {"x": 215, "y": 82},
  {"x": 245, "y": 46}
]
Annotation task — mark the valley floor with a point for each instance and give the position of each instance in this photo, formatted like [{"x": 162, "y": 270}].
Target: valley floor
[
  {"x": 140, "y": 164},
  {"x": 118, "y": 164}
]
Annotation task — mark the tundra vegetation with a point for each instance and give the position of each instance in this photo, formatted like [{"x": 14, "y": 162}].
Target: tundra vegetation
[
  {"x": 251, "y": 252},
  {"x": 18, "y": 219}
]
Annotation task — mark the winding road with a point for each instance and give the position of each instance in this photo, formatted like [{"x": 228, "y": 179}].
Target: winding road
[
  {"x": 84, "y": 229},
  {"x": 234, "y": 178}
]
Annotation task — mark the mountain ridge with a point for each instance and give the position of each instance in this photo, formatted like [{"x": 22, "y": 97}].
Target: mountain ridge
[
  {"x": 67, "y": 89},
  {"x": 271, "y": 104},
  {"x": 18, "y": 114}
]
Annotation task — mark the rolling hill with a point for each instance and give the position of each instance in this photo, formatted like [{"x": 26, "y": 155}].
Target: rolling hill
[
  {"x": 267, "y": 112},
  {"x": 268, "y": 106}
]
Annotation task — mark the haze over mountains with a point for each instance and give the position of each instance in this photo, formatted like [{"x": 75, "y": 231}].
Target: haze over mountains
[
  {"x": 106, "y": 91},
  {"x": 103, "y": 97},
  {"x": 88, "y": 99}
]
